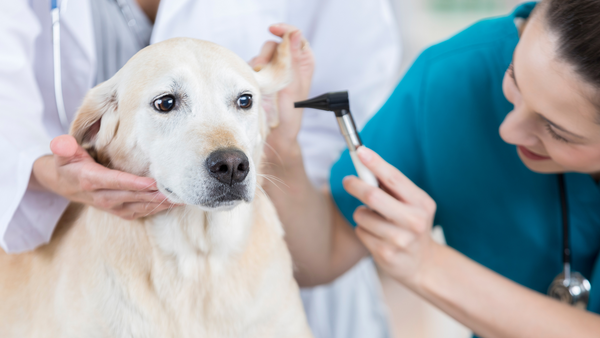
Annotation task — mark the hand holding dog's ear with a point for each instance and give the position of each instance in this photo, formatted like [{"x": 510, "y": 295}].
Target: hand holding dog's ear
[
  {"x": 73, "y": 174},
  {"x": 293, "y": 61}
]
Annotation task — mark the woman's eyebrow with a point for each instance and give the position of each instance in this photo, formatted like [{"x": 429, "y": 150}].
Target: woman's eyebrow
[{"x": 554, "y": 125}]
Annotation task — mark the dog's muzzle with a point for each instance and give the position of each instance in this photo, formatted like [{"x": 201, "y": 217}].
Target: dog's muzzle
[{"x": 229, "y": 167}]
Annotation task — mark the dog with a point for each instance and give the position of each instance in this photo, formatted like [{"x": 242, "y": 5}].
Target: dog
[{"x": 187, "y": 113}]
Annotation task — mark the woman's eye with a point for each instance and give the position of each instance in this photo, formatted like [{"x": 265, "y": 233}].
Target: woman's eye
[
  {"x": 164, "y": 104},
  {"x": 245, "y": 101},
  {"x": 555, "y": 135}
]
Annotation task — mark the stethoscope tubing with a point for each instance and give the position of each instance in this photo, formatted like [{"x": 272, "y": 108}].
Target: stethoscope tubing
[
  {"x": 564, "y": 207},
  {"x": 57, "y": 68}
]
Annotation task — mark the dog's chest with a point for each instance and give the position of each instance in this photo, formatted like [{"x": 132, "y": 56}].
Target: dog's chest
[
  {"x": 238, "y": 303},
  {"x": 190, "y": 295}
]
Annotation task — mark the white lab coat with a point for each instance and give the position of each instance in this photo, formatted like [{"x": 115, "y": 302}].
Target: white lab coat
[
  {"x": 355, "y": 45},
  {"x": 28, "y": 116}
]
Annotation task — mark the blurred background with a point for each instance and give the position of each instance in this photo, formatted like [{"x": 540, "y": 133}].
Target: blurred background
[
  {"x": 422, "y": 23},
  {"x": 425, "y": 22}
]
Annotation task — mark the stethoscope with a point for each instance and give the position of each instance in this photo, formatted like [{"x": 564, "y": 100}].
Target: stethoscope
[
  {"x": 57, "y": 68},
  {"x": 58, "y": 94},
  {"x": 568, "y": 287}
]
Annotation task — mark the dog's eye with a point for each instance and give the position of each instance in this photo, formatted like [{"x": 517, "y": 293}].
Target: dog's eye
[
  {"x": 245, "y": 101},
  {"x": 164, "y": 104}
]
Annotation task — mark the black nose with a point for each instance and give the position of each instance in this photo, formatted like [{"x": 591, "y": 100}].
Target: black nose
[{"x": 229, "y": 166}]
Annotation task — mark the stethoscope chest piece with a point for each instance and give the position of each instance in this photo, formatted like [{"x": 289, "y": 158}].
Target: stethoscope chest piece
[
  {"x": 568, "y": 287},
  {"x": 574, "y": 290}
]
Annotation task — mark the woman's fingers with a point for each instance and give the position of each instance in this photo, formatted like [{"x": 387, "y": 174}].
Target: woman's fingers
[
  {"x": 387, "y": 206},
  {"x": 383, "y": 229},
  {"x": 97, "y": 177},
  {"x": 389, "y": 176},
  {"x": 110, "y": 199},
  {"x": 265, "y": 55},
  {"x": 379, "y": 248},
  {"x": 280, "y": 29}
]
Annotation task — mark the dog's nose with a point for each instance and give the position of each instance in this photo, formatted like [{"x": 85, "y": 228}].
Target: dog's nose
[{"x": 228, "y": 166}]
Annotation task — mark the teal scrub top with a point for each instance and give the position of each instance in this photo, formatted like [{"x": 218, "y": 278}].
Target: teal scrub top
[{"x": 440, "y": 128}]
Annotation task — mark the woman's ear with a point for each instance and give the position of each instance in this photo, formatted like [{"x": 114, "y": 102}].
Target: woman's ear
[
  {"x": 273, "y": 77},
  {"x": 97, "y": 119}
]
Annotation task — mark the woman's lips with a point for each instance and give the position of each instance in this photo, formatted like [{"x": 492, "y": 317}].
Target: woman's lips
[{"x": 531, "y": 155}]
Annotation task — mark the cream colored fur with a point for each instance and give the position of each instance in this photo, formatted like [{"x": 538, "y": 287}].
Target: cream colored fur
[{"x": 195, "y": 271}]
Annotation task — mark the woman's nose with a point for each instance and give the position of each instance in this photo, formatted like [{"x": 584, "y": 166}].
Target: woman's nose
[{"x": 519, "y": 128}]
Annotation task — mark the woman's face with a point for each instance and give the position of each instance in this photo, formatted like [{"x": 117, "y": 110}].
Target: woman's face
[{"x": 555, "y": 124}]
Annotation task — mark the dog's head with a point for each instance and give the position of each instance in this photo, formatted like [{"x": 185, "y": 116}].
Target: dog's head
[{"x": 189, "y": 114}]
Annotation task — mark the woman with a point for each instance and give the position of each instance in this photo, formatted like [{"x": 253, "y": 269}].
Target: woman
[{"x": 535, "y": 76}]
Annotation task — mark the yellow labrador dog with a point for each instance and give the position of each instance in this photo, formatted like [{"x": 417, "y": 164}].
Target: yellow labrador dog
[{"x": 188, "y": 114}]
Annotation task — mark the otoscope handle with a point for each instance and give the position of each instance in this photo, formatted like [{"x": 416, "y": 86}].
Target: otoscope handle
[
  {"x": 348, "y": 129},
  {"x": 362, "y": 171}
]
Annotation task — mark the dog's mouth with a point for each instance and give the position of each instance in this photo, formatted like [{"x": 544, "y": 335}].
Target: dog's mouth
[
  {"x": 223, "y": 195},
  {"x": 218, "y": 196}
]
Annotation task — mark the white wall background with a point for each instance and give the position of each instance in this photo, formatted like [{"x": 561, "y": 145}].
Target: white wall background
[{"x": 422, "y": 23}]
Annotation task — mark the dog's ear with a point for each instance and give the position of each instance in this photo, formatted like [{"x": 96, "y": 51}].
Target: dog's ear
[
  {"x": 97, "y": 120},
  {"x": 273, "y": 77}
]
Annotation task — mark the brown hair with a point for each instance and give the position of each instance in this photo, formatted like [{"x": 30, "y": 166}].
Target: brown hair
[{"x": 576, "y": 24}]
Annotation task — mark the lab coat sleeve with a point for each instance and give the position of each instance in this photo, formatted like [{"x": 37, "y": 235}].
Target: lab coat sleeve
[
  {"x": 357, "y": 48},
  {"x": 27, "y": 218}
]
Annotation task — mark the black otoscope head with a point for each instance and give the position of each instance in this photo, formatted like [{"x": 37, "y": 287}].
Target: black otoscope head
[{"x": 336, "y": 102}]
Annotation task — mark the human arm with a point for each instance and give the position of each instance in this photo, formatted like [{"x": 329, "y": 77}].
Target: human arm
[
  {"x": 322, "y": 243},
  {"x": 396, "y": 232}
]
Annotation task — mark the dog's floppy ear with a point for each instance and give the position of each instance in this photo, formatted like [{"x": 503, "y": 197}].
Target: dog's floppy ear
[
  {"x": 273, "y": 77},
  {"x": 97, "y": 120}
]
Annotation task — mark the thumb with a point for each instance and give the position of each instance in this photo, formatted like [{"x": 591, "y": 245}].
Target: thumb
[
  {"x": 66, "y": 150},
  {"x": 264, "y": 57}
]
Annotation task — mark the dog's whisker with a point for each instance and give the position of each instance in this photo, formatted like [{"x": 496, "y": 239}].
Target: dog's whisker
[
  {"x": 274, "y": 183},
  {"x": 163, "y": 201},
  {"x": 268, "y": 164},
  {"x": 274, "y": 179},
  {"x": 146, "y": 187},
  {"x": 264, "y": 192},
  {"x": 170, "y": 207},
  {"x": 276, "y": 153}
]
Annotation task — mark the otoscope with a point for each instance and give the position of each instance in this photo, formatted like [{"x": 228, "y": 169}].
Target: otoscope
[{"x": 338, "y": 103}]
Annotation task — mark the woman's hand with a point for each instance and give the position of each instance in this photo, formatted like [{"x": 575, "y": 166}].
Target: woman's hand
[
  {"x": 396, "y": 229},
  {"x": 397, "y": 232},
  {"x": 73, "y": 174},
  {"x": 283, "y": 137}
]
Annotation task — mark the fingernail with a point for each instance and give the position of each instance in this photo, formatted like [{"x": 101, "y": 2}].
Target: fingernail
[
  {"x": 297, "y": 40},
  {"x": 365, "y": 154}
]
